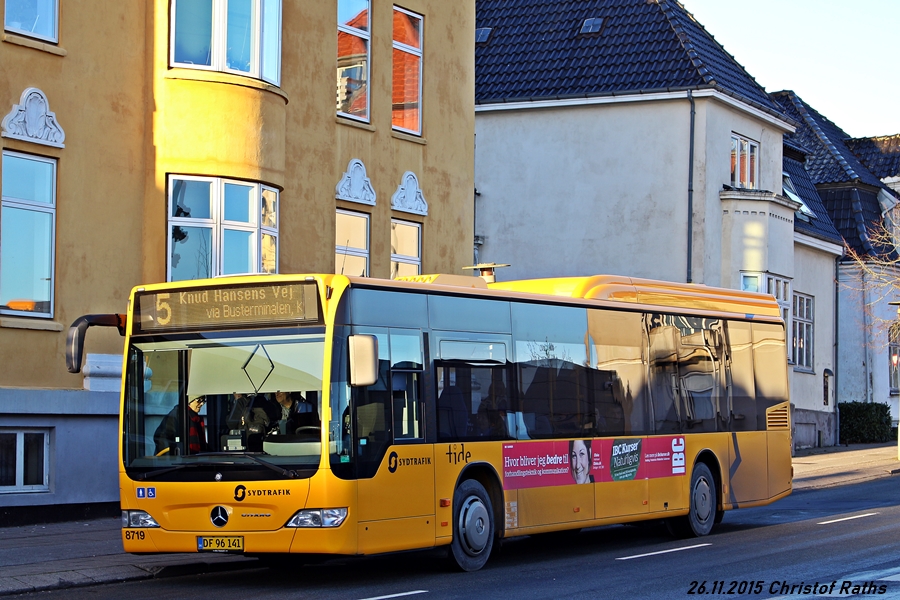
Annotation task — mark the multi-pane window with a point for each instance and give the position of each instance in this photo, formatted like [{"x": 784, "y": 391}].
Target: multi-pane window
[
  {"x": 406, "y": 249},
  {"x": 34, "y": 18},
  {"x": 221, "y": 227},
  {"x": 407, "y": 72},
  {"x": 235, "y": 36},
  {"x": 353, "y": 59},
  {"x": 27, "y": 234},
  {"x": 802, "y": 332},
  {"x": 744, "y": 162},
  {"x": 894, "y": 356},
  {"x": 24, "y": 461},
  {"x": 351, "y": 253},
  {"x": 780, "y": 287}
]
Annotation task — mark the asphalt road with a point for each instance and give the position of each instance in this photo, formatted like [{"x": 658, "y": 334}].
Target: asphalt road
[{"x": 849, "y": 535}]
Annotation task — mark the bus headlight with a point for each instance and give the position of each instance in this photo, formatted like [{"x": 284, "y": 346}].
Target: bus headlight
[
  {"x": 320, "y": 517},
  {"x": 137, "y": 518}
]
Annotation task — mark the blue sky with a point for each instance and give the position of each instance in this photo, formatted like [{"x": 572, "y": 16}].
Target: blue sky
[{"x": 840, "y": 56}]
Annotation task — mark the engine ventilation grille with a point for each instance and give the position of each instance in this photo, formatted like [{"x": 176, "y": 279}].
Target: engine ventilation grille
[{"x": 778, "y": 418}]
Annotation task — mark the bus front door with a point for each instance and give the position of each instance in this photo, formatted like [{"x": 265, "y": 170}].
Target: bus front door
[{"x": 396, "y": 467}]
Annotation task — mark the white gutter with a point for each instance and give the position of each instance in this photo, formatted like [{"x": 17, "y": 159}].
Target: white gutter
[
  {"x": 808, "y": 240},
  {"x": 650, "y": 97}
]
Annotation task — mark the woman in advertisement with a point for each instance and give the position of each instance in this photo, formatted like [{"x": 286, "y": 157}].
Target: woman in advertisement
[{"x": 580, "y": 458}]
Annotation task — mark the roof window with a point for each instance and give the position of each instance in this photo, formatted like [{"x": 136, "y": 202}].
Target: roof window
[
  {"x": 791, "y": 192},
  {"x": 592, "y": 25},
  {"x": 482, "y": 34}
]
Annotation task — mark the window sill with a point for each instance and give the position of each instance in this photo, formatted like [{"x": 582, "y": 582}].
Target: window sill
[
  {"x": 227, "y": 78},
  {"x": 22, "y": 323},
  {"x": 806, "y": 370},
  {"x": 408, "y": 137},
  {"x": 355, "y": 123},
  {"x": 36, "y": 44}
]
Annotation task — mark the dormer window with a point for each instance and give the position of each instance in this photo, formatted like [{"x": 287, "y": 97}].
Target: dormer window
[
  {"x": 482, "y": 35},
  {"x": 592, "y": 25},
  {"x": 790, "y": 191}
]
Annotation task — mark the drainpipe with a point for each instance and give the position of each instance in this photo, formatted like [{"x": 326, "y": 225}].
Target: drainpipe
[
  {"x": 867, "y": 331},
  {"x": 690, "y": 215},
  {"x": 835, "y": 354}
]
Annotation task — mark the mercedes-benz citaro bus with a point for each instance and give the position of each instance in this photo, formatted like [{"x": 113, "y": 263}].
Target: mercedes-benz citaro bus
[{"x": 333, "y": 415}]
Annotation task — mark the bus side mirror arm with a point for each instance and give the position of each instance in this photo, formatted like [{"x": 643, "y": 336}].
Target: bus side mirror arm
[
  {"x": 363, "y": 360},
  {"x": 76, "y": 334}
]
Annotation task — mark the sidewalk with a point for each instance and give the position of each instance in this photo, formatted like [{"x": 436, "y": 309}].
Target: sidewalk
[{"x": 60, "y": 555}]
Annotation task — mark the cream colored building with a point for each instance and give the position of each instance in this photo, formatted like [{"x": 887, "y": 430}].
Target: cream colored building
[{"x": 166, "y": 140}]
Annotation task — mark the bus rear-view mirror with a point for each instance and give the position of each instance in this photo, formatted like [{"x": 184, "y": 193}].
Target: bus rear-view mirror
[{"x": 363, "y": 360}]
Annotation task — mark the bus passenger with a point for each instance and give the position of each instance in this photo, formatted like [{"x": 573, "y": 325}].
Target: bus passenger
[
  {"x": 296, "y": 412},
  {"x": 491, "y": 417},
  {"x": 170, "y": 429},
  {"x": 580, "y": 458}
]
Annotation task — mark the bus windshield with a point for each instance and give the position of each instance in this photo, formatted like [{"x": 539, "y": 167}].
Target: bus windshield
[{"x": 224, "y": 399}]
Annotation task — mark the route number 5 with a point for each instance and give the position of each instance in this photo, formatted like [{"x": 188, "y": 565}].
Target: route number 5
[{"x": 163, "y": 307}]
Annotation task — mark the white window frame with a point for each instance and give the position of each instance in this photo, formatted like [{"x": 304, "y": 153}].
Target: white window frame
[
  {"x": 803, "y": 332},
  {"x": 367, "y": 36},
  {"x": 50, "y": 209},
  {"x": 219, "y": 41},
  {"x": 53, "y": 38},
  {"x": 346, "y": 250},
  {"x": 19, "y": 486},
  {"x": 403, "y": 258},
  {"x": 894, "y": 361},
  {"x": 417, "y": 52},
  {"x": 219, "y": 225},
  {"x": 777, "y": 286},
  {"x": 747, "y": 175}
]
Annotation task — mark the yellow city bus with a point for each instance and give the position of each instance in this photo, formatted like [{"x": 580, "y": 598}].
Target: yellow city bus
[{"x": 334, "y": 415}]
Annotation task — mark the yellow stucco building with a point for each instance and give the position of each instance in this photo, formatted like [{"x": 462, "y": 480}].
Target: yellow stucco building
[{"x": 177, "y": 139}]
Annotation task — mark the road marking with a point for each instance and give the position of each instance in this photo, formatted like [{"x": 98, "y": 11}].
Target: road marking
[
  {"x": 400, "y": 595},
  {"x": 663, "y": 552},
  {"x": 846, "y": 519}
]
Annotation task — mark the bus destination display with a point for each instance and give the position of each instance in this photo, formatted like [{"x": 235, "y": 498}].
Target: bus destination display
[{"x": 256, "y": 305}]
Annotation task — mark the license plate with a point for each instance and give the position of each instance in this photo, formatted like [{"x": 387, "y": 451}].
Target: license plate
[{"x": 220, "y": 544}]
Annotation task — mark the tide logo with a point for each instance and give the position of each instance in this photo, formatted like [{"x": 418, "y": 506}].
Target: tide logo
[{"x": 677, "y": 456}]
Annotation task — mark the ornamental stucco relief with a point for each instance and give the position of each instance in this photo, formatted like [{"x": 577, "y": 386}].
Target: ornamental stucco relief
[
  {"x": 32, "y": 121},
  {"x": 408, "y": 197},
  {"x": 354, "y": 185}
]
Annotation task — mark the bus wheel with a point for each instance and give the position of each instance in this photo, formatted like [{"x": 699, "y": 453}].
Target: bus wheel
[
  {"x": 473, "y": 526},
  {"x": 702, "y": 511}
]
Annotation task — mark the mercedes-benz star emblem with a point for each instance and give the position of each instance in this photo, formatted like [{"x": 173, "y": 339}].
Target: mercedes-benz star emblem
[{"x": 219, "y": 516}]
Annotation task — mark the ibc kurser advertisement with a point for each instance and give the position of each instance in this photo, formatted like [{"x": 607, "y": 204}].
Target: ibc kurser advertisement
[{"x": 541, "y": 464}]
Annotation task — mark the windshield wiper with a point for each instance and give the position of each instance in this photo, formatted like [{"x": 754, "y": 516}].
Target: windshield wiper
[
  {"x": 288, "y": 473},
  {"x": 163, "y": 471}
]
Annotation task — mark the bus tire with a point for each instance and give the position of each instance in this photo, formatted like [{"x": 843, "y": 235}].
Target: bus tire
[
  {"x": 702, "y": 511},
  {"x": 473, "y": 526}
]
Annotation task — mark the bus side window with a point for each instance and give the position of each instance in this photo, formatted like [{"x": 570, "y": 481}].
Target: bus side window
[
  {"x": 453, "y": 412},
  {"x": 618, "y": 377},
  {"x": 406, "y": 406},
  {"x": 743, "y": 389},
  {"x": 664, "y": 385}
]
